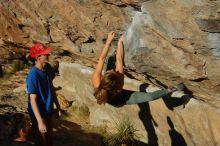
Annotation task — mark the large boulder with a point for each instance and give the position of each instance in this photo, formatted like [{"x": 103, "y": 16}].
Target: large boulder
[
  {"x": 177, "y": 41},
  {"x": 160, "y": 122}
]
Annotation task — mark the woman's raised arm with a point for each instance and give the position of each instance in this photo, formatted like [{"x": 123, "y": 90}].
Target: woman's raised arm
[
  {"x": 120, "y": 56},
  {"x": 96, "y": 76}
]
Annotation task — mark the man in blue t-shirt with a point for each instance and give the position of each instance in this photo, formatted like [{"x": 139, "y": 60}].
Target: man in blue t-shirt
[{"x": 41, "y": 95}]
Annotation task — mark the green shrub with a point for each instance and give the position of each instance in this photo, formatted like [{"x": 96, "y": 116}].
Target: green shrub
[{"x": 125, "y": 134}]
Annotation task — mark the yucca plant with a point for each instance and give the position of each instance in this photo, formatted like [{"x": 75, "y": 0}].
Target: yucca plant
[{"x": 125, "y": 134}]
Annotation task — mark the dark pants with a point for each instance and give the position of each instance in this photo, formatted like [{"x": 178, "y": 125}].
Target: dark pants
[{"x": 43, "y": 139}]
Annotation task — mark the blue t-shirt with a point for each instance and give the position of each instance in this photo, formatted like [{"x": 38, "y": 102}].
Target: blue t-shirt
[{"x": 40, "y": 82}]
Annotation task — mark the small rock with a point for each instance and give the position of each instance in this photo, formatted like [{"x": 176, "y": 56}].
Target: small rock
[
  {"x": 20, "y": 89},
  {"x": 63, "y": 102}
]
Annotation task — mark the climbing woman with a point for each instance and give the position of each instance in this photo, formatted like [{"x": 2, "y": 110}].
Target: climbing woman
[{"x": 108, "y": 88}]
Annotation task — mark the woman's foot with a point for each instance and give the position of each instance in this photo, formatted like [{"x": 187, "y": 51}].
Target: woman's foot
[{"x": 178, "y": 87}]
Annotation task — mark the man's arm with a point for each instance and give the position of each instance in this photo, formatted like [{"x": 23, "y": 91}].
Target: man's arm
[
  {"x": 41, "y": 124},
  {"x": 96, "y": 77},
  {"x": 55, "y": 99}
]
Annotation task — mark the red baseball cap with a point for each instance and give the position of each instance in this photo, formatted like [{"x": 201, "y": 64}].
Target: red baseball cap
[{"x": 39, "y": 49}]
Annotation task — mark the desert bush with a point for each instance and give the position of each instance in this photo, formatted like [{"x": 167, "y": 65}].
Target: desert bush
[{"x": 125, "y": 134}]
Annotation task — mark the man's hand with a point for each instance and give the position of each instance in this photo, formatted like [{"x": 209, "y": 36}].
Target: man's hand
[
  {"x": 61, "y": 112},
  {"x": 42, "y": 127}
]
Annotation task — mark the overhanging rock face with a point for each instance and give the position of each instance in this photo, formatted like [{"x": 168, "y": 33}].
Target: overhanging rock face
[
  {"x": 177, "y": 41},
  {"x": 158, "y": 122}
]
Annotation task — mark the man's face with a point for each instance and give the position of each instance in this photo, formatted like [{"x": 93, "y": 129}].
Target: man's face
[{"x": 42, "y": 58}]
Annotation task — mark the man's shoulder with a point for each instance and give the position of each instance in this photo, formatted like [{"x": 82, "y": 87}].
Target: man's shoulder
[
  {"x": 33, "y": 70},
  {"x": 32, "y": 73}
]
